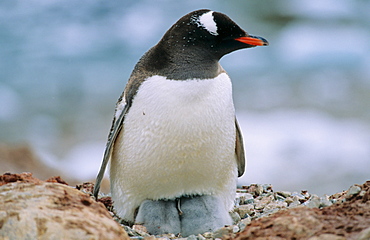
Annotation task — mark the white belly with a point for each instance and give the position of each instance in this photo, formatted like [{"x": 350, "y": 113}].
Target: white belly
[{"x": 178, "y": 139}]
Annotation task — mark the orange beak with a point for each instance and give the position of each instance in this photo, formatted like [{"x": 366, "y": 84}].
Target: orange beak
[{"x": 252, "y": 40}]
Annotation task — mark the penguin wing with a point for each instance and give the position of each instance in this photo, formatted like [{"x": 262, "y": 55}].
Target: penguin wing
[
  {"x": 121, "y": 110},
  {"x": 239, "y": 150}
]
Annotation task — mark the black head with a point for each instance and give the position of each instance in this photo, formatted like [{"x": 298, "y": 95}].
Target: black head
[
  {"x": 192, "y": 47},
  {"x": 212, "y": 33}
]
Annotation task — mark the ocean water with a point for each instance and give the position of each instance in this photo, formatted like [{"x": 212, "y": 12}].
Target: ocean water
[{"x": 303, "y": 102}]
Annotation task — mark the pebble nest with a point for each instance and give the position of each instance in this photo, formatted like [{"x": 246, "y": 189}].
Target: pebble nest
[{"x": 252, "y": 202}]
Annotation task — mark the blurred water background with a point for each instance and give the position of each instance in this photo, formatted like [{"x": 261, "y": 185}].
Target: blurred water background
[{"x": 303, "y": 102}]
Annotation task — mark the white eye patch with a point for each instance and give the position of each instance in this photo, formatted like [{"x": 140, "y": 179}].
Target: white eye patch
[{"x": 207, "y": 21}]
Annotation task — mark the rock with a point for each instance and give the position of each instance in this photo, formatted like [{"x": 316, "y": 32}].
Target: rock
[
  {"x": 200, "y": 237},
  {"x": 353, "y": 190},
  {"x": 140, "y": 229},
  {"x": 208, "y": 235},
  {"x": 263, "y": 202},
  {"x": 364, "y": 234},
  {"x": 275, "y": 205},
  {"x": 255, "y": 189},
  {"x": 243, "y": 223},
  {"x": 289, "y": 200},
  {"x": 224, "y": 231},
  {"x": 305, "y": 194},
  {"x": 285, "y": 194},
  {"x": 327, "y": 237},
  {"x": 313, "y": 202},
  {"x": 299, "y": 197},
  {"x": 295, "y": 202},
  {"x": 325, "y": 202},
  {"x": 43, "y": 210},
  {"x": 192, "y": 237},
  {"x": 267, "y": 188},
  {"x": 245, "y": 210},
  {"x": 244, "y": 198},
  {"x": 235, "y": 217}
]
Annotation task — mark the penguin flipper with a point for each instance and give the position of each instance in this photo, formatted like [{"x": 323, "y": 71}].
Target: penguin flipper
[
  {"x": 239, "y": 150},
  {"x": 121, "y": 109}
]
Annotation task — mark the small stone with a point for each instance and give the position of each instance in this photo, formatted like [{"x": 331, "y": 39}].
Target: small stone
[
  {"x": 235, "y": 228},
  {"x": 192, "y": 237},
  {"x": 284, "y": 193},
  {"x": 364, "y": 234},
  {"x": 224, "y": 231},
  {"x": 267, "y": 188},
  {"x": 140, "y": 237},
  {"x": 208, "y": 235},
  {"x": 295, "y": 203},
  {"x": 200, "y": 237},
  {"x": 325, "y": 202},
  {"x": 299, "y": 197},
  {"x": 263, "y": 202},
  {"x": 327, "y": 236},
  {"x": 289, "y": 200},
  {"x": 313, "y": 202},
  {"x": 130, "y": 231},
  {"x": 244, "y": 198},
  {"x": 245, "y": 210},
  {"x": 140, "y": 229},
  {"x": 255, "y": 189},
  {"x": 275, "y": 205},
  {"x": 305, "y": 194},
  {"x": 353, "y": 190},
  {"x": 235, "y": 217},
  {"x": 244, "y": 223},
  {"x": 362, "y": 193},
  {"x": 259, "y": 190}
]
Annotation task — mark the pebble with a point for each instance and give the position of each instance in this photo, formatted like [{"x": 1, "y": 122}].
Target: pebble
[
  {"x": 245, "y": 210},
  {"x": 263, "y": 202},
  {"x": 325, "y": 201},
  {"x": 364, "y": 234},
  {"x": 192, "y": 237},
  {"x": 314, "y": 202},
  {"x": 224, "y": 231},
  {"x": 243, "y": 223},
  {"x": 200, "y": 237},
  {"x": 235, "y": 217},
  {"x": 285, "y": 194},
  {"x": 353, "y": 190}
]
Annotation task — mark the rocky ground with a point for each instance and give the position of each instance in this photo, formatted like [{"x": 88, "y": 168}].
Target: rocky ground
[{"x": 51, "y": 208}]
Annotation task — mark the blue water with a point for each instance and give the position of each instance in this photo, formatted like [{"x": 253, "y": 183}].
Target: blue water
[{"x": 303, "y": 102}]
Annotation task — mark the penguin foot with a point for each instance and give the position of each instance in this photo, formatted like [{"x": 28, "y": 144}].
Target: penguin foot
[
  {"x": 202, "y": 214},
  {"x": 185, "y": 215},
  {"x": 159, "y": 217}
]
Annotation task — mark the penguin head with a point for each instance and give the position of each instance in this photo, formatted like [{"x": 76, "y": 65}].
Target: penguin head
[{"x": 209, "y": 33}]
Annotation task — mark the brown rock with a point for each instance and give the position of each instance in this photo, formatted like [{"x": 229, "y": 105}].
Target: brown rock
[
  {"x": 327, "y": 237},
  {"x": 32, "y": 209}
]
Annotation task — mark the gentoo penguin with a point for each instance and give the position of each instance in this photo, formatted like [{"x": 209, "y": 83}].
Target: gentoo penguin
[{"x": 175, "y": 147}]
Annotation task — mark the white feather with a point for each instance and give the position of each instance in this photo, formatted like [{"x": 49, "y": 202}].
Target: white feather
[
  {"x": 178, "y": 139},
  {"x": 207, "y": 21}
]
